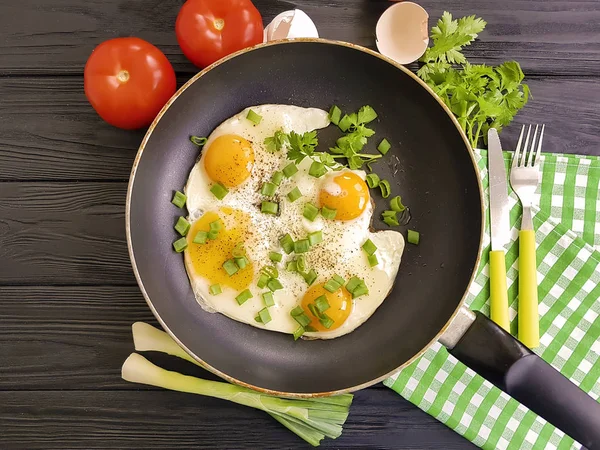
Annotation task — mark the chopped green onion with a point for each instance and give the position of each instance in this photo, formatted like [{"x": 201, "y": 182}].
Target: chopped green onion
[
  {"x": 372, "y": 180},
  {"x": 275, "y": 256},
  {"x": 384, "y": 147},
  {"x": 199, "y": 141},
  {"x": 263, "y": 279},
  {"x": 269, "y": 207},
  {"x": 253, "y": 117},
  {"x": 345, "y": 123},
  {"x": 332, "y": 286},
  {"x": 230, "y": 267},
  {"x": 356, "y": 287},
  {"x": 326, "y": 321},
  {"x": 301, "y": 263},
  {"x": 310, "y": 211},
  {"x": 315, "y": 237},
  {"x": 274, "y": 285},
  {"x": 296, "y": 311},
  {"x": 212, "y": 235},
  {"x": 182, "y": 226},
  {"x": 258, "y": 319},
  {"x": 238, "y": 250},
  {"x": 384, "y": 185},
  {"x": 328, "y": 213},
  {"x": 264, "y": 315},
  {"x": 277, "y": 178},
  {"x": 353, "y": 283},
  {"x": 180, "y": 245},
  {"x": 310, "y": 277},
  {"x": 317, "y": 169},
  {"x": 268, "y": 299},
  {"x": 179, "y": 199},
  {"x": 339, "y": 279},
  {"x": 217, "y": 225},
  {"x": 390, "y": 218},
  {"x": 270, "y": 271},
  {"x": 292, "y": 266},
  {"x": 290, "y": 170},
  {"x": 219, "y": 190},
  {"x": 301, "y": 246},
  {"x": 268, "y": 189},
  {"x": 335, "y": 114},
  {"x": 241, "y": 261},
  {"x": 373, "y": 260},
  {"x": 413, "y": 237},
  {"x": 244, "y": 296},
  {"x": 322, "y": 304},
  {"x": 287, "y": 243},
  {"x": 396, "y": 204},
  {"x": 369, "y": 247},
  {"x": 360, "y": 290},
  {"x": 298, "y": 332},
  {"x": 294, "y": 194},
  {"x": 310, "y": 329},
  {"x": 313, "y": 310},
  {"x": 215, "y": 289},
  {"x": 302, "y": 319},
  {"x": 201, "y": 237}
]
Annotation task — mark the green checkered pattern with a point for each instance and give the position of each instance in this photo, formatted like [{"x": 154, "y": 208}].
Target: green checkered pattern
[{"x": 567, "y": 226}]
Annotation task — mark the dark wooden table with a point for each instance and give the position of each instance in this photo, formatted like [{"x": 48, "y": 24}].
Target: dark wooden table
[{"x": 67, "y": 292}]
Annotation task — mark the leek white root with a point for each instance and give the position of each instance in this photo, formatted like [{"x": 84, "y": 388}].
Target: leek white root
[{"x": 311, "y": 419}]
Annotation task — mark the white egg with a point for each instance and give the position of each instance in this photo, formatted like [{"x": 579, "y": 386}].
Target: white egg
[{"x": 243, "y": 222}]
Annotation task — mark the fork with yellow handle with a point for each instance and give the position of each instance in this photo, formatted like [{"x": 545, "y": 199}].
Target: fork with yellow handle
[{"x": 524, "y": 179}]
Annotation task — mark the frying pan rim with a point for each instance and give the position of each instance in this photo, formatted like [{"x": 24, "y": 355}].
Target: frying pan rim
[{"x": 130, "y": 186}]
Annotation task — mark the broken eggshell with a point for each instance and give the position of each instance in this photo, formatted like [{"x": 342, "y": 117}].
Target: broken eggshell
[
  {"x": 402, "y": 32},
  {"x": 290, "y": 25}
]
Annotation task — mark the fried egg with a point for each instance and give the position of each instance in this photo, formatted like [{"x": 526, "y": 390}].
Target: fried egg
[{"x": 235, "y": 155}]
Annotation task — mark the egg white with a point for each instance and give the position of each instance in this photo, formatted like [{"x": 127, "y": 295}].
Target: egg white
[{"x": 339, "y": 253}]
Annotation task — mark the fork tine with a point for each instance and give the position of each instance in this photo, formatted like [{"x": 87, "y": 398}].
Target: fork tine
[
  {"x": 515, "y": 161},
  {"x": 539, "y": 149},
  {"x": 532, "y": 148},
  {"x": 524, "y": 155}
]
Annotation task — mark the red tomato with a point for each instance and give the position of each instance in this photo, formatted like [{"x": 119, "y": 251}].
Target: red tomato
[
  {"x": 208, "y": 30},
  {"x": 128, "y": 81}
]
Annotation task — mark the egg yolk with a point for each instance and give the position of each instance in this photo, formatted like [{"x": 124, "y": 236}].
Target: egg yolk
[
  {"x": 207, "y": 259},
  {"x": 340, "y": 306},
  {"x": 229, "y": 160},
  {"x": 347, "y": 193}
]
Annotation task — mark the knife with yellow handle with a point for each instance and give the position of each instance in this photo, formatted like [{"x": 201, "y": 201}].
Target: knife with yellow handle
[{"x": 500, "y": 231}]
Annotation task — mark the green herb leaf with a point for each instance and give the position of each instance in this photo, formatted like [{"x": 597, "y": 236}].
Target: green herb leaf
[
  {"x": 479, "y": 96},
  {"x": 302, "y": 145},
  {"x": 276, "y": 142}
]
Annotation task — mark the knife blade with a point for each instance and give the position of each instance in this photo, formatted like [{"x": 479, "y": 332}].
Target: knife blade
[
  {"x": 500, "y": 231},
  {"x": 499, "y": 208}
]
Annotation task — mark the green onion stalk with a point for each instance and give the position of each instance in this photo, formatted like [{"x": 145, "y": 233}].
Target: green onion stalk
[{"x": 312, "y": 419}]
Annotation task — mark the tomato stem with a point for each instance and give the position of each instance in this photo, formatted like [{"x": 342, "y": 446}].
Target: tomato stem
[
  {"x": 219, "y": 24},
  {"x": 123, "y": 76}
]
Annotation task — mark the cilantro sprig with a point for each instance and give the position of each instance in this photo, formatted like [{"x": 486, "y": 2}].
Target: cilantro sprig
[
  {"x": 276, "y": 142},
  {"x": 351, "y": 145},
  {"x": 480, "y": 96}
]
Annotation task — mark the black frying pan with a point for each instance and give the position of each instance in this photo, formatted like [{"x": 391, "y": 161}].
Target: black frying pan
[{"x": 431, "y": 167}]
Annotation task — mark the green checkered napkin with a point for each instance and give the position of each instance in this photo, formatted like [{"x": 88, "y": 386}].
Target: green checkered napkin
[{"x": 568, "y": 239}]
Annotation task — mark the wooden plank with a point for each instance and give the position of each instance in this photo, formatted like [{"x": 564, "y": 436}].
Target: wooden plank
[
  {"x": 54, "y": 134},
  {"x": 67, "y": 337},
  {"x": 63, "y": 233},
  {"x": 166, "y": 420},
  {"x": 547, "y": 37}
]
